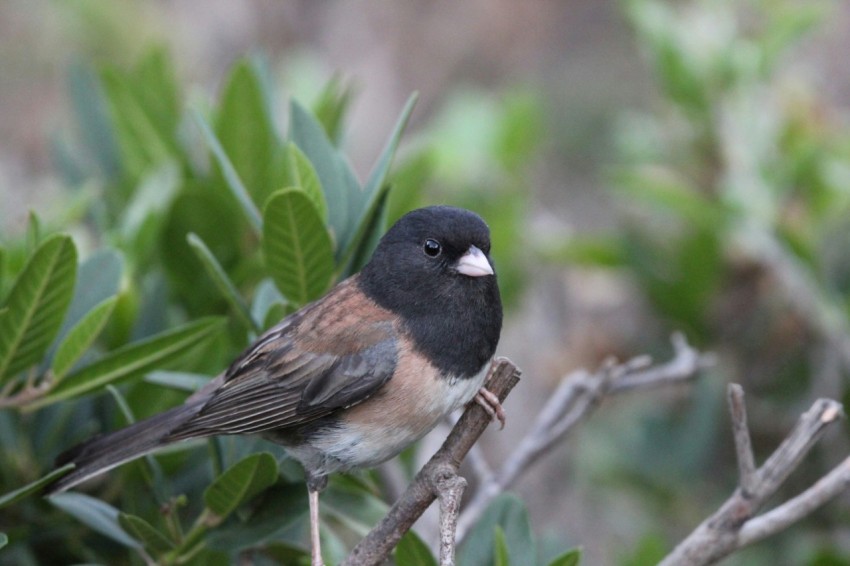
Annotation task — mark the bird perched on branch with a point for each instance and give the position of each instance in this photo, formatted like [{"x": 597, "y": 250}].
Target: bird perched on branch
[{"x": 352, "y": 379}]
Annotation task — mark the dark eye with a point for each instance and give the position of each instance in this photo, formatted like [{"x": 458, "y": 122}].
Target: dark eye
[{"x": 432, "y": 247}]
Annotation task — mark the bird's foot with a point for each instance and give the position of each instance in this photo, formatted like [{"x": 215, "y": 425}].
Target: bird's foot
[{"x": 488, "y": 400}]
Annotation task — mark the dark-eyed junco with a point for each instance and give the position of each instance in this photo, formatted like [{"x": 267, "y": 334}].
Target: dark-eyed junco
[{"x": 352, "y": 379}]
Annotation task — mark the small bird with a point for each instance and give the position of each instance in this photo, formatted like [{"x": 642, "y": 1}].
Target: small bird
[{"x": 355, "y": 377}]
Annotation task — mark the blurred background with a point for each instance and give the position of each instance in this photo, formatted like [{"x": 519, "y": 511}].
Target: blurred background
[{"x": 646, "y": 166}]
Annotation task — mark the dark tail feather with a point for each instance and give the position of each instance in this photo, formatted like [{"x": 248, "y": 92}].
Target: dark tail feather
[{"x": 105, "y": 452}]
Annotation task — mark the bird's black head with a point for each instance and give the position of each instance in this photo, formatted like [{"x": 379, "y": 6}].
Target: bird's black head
[{"x": 433, "y": 269}]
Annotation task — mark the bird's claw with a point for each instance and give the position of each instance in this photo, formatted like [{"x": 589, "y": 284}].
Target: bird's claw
[{"x": 490, "y": 403}]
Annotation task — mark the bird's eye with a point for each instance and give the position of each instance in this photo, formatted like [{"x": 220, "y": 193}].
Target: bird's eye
[{"x": 432, "y": 247}]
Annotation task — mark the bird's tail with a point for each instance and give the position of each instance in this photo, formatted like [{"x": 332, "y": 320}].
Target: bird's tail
[{"x": 105, "y": 452}]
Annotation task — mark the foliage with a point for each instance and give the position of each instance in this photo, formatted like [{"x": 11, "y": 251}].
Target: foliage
[
  {"x": 211, "y": 226},
  {"x": 733, "y": 199}
]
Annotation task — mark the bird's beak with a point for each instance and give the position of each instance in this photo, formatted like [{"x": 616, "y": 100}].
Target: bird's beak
[{"x": 474, "y": 263}]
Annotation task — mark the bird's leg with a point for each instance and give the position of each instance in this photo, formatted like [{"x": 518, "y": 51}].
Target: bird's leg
[
  {"x": 491, "y": 404},
  {"x": 315, "y": 484}
]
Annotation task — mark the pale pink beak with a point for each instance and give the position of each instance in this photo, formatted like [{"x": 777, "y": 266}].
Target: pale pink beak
[{"x": 474, "y": 263}]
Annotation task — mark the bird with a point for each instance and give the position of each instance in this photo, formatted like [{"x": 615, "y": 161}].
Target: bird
[{"x": 350, "y": 380}]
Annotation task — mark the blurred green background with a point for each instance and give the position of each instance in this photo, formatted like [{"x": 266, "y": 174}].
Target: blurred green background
[{"x": 646, "y": 167}]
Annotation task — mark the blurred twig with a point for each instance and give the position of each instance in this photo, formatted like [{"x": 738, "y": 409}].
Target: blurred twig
[
  {"x": 734, "y": 525},
  {"x": 575, "y": 399}
]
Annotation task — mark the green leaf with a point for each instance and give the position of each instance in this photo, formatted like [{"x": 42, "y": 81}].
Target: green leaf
[
  {"x": 144, "y": 532},
  {"x": 80, "y": 337},
  {"x": 93, "y": 127},
  {"x": 368, "y": 234},
  {"x": 4, "y": 540},
  {"x": 266, "y": 298},
  {"x": 500, "y": 547},
  {"x": 508, "y": 513},
  {"x": 302, "y": 174},
  {"x": 297, "y": 247},
  {"x": 338, "y": 181},
  {"x": 412, "y": 551},
  {"x": 142, "y": 142},
  {"x": 179, "y": 380},
  {"x": 266, "y": 520},
  {"x": 37, "y": 304},
  {"x": 381, "y": 168},
  {"x": 331, "y": 106},
  {"x": 239, "y": 483},
  {"x": 34, "y": 231},
  {"x": 37, "y": 485},
  {"x": 98, "y": 278},
  {"x": 245, "y": 129},
  {"x": 132, "y": 360},
  {"x": 222, "y": 281},
  {"x": 571, "y": 557},
  {"x": 98, "y": 515},
  {"x": 231, "y": 176},
  {"x": 155, "y": 86}
]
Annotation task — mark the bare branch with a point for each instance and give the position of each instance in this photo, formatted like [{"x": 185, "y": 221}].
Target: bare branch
[
  {"x": 743, "y": 446},
  {"x": 574, "y": 401},
  {"x": 785, "y": 515},
  {"x": 734, "y": 525},
  {"x": 377, "y": 545}
]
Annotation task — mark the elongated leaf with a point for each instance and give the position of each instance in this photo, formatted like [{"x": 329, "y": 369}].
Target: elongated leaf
[
  {"x": 179, "y": 380},
  {"x": 297, "y": 247},
  {"x": 569, "y": 558},
  {"x": 37, "y": 304},
  {"x": 222, "y": 281},
  {"x": 93, "y": 126},
  {"x": 331, "y": 107},
  {"x": 368, "y": 234},
  {"x": 338, "y": 181},
  {"x": 152, "y": 539},
  {"x": 4, "y": 540},
  {"x": 411, "y": 551},
  {"x": 34, "y": 230},
  {"x": 34, "y": 487},
  {"x": 95, "y": 513},
  {"x": 234, "y": 183},
  {"x": 382, "y": 166},
  {"x": 240, "y": 482},
  {"x": 500, "y": 548},
  {"x": 303, "y": 175},
  {"x": 266, "y": 297},
  {"x": 246, "y": 130},
  {"x": 142, "y": 142},
  {"x": 132, "y": 360},
  {"x": 80, "y": 338},
  {"x": 510, "y": 515},
  {"x": 3, "y": 258},
  {"x": 98, "y": 278}
]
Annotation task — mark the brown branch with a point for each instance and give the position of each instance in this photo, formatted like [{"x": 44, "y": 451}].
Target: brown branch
[
  {"x": 735, "y": 525},
  {"x": 579, "y": 394},
  {"x": 377, "y": 545}
]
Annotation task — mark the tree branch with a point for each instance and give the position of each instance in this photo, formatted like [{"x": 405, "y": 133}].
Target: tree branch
[
  {"x": 377, "y": 545},
  {"x": 579, "y": 394},
  {"x": 734, "y": 525}
]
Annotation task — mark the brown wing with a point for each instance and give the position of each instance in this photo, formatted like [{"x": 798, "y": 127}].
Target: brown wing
[{"x": 333, "y": 354}]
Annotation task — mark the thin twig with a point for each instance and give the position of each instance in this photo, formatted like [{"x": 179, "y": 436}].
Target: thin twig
[
  {"x": 574, "y": 401},
  {"x": 735, "y": 525},
  {"x": 743, "y": 445}
]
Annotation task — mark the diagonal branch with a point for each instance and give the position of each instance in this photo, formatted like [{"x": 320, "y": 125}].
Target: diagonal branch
[
  {"x": 579, "y": 394},
  {"x": 377, "y": 545},
  {"x": 735, "y": 525}
]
